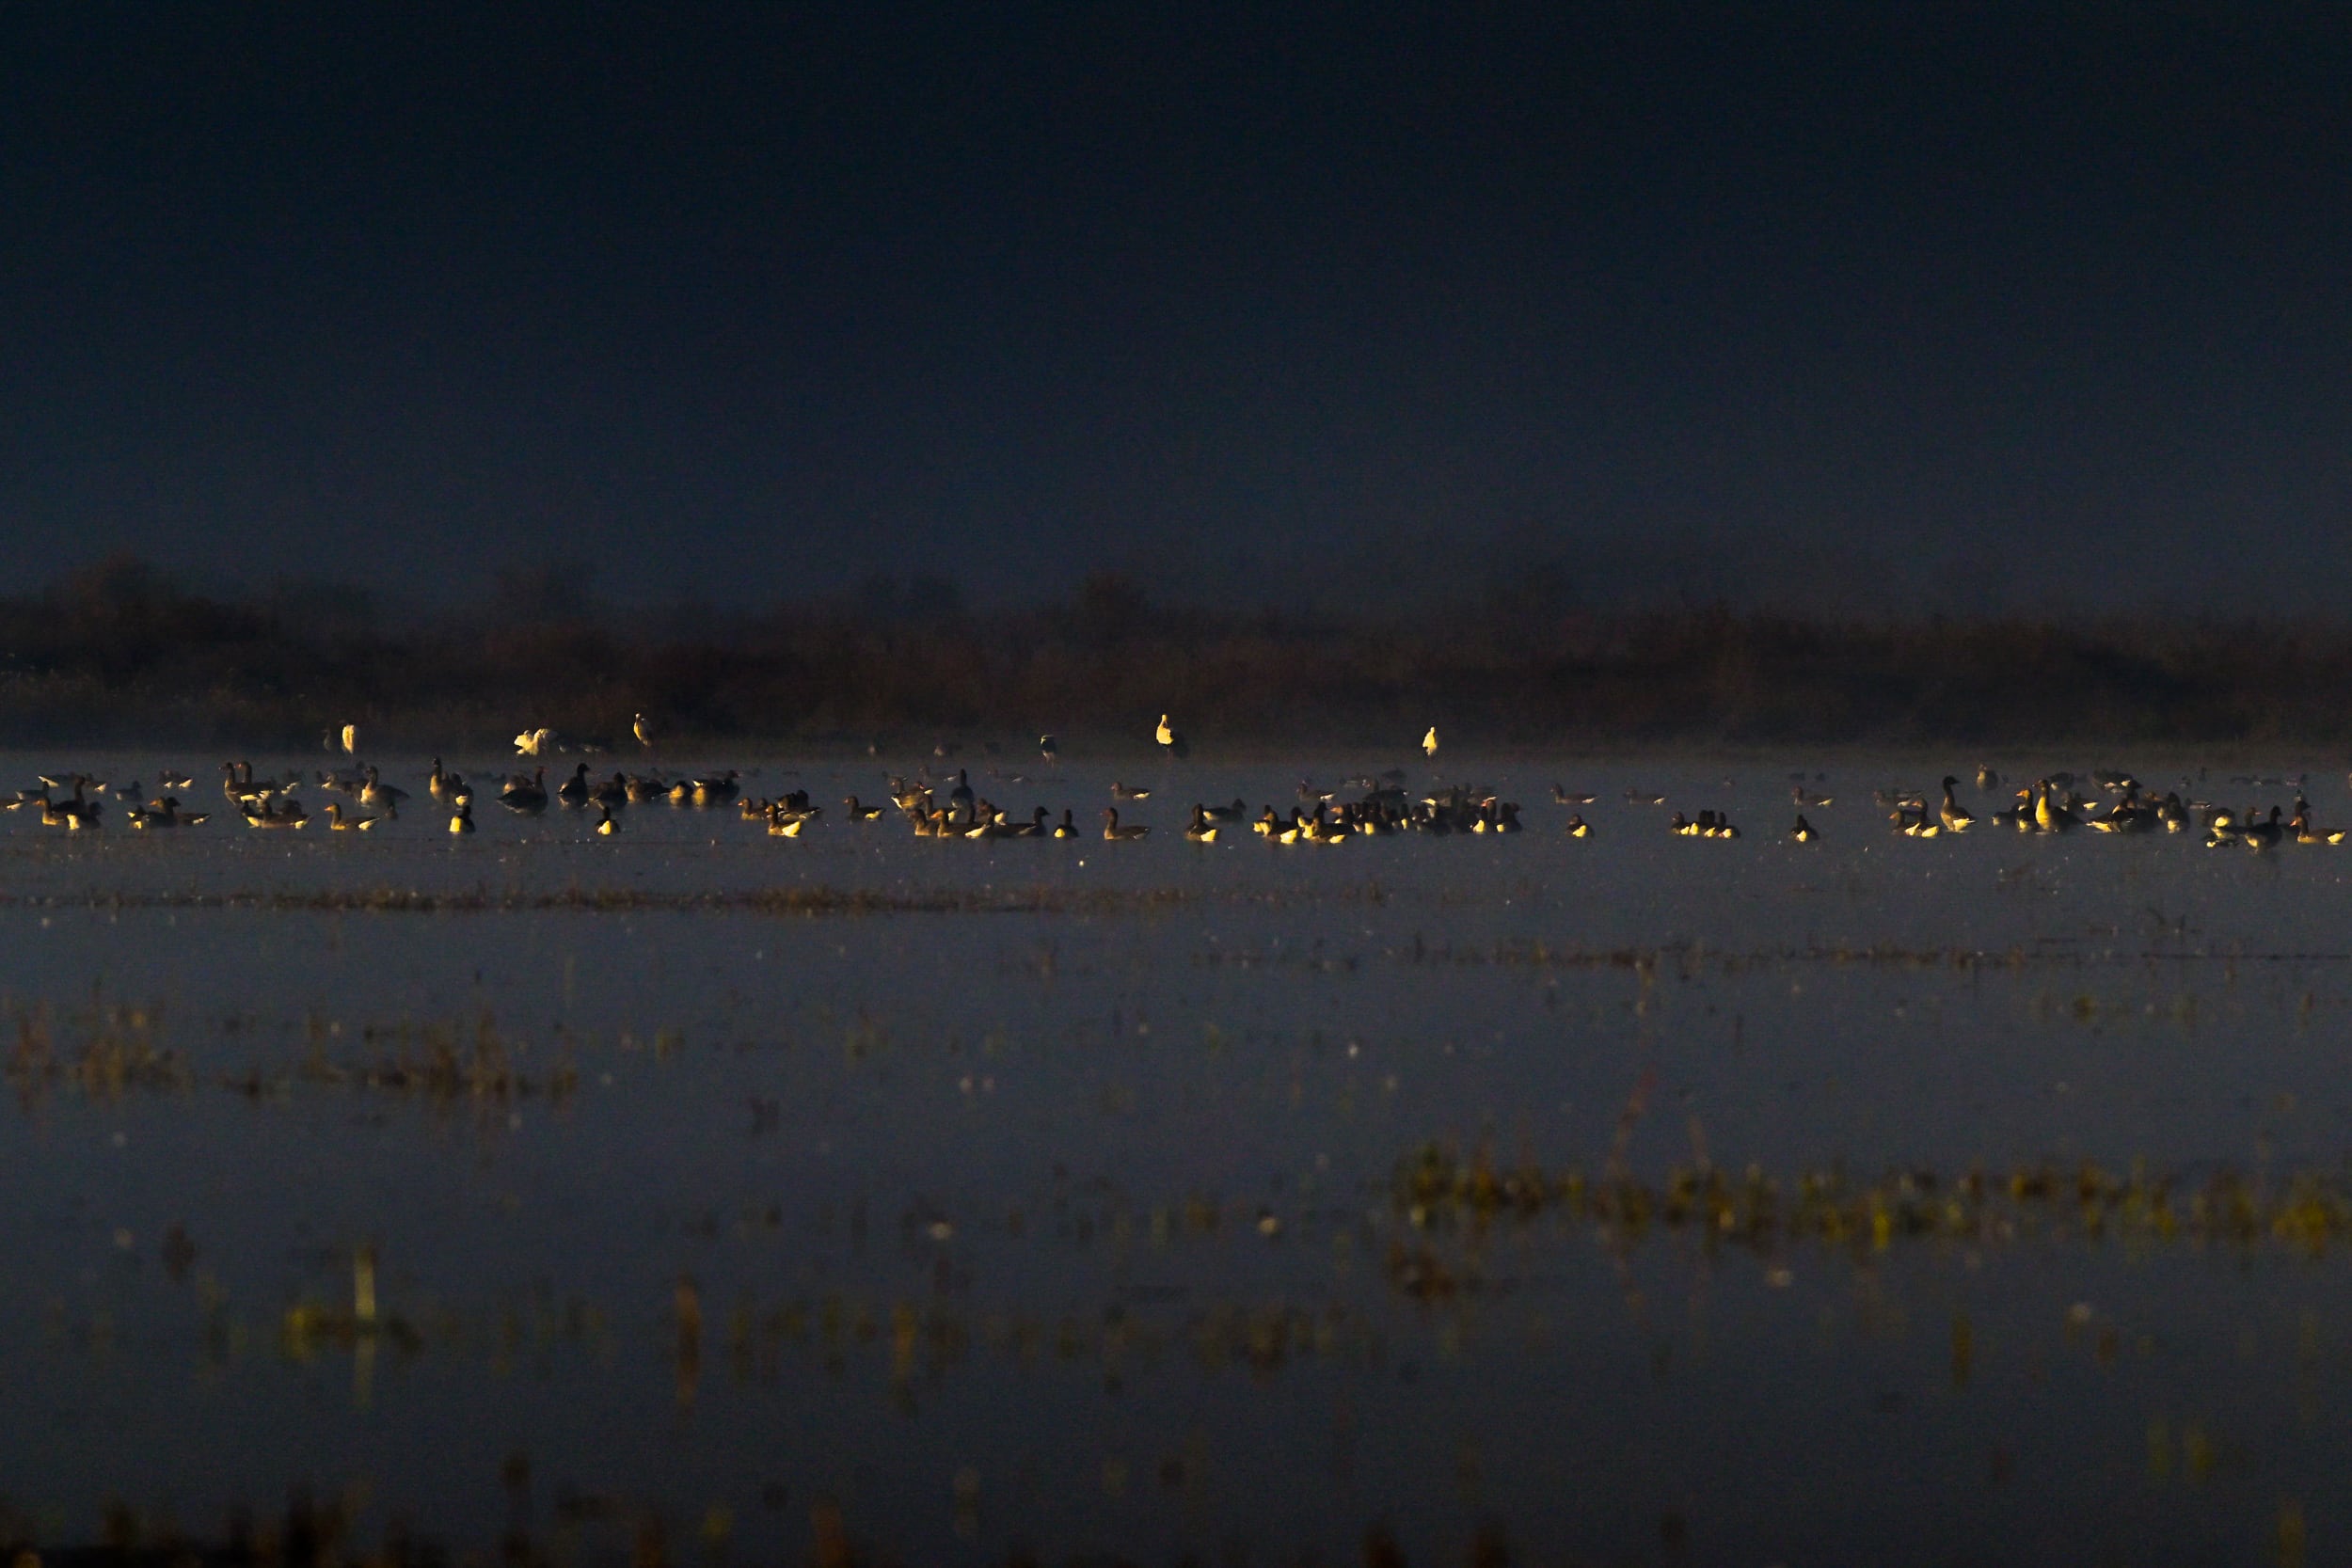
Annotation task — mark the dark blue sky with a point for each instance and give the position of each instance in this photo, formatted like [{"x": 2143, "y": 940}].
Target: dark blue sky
[{"x": 1963, "y": 303}]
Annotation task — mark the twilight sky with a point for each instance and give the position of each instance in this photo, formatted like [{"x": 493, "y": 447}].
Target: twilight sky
[{"x": 1949, "y": 304}]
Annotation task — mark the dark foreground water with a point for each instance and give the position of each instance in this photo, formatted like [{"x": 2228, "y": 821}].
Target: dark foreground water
[{"x": 706, "y": 1194}]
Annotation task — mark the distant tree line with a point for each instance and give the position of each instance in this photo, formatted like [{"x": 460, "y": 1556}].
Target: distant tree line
[{"x": 121, "y": 651}]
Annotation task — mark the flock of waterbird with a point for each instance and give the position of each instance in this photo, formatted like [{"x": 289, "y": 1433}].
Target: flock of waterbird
[{"x": 947, "y": 806}]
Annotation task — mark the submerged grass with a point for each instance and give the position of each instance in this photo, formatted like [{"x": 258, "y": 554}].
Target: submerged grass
[
  {"x": 1435, "y": 1191},
  {"x": 771, "y": 901}
]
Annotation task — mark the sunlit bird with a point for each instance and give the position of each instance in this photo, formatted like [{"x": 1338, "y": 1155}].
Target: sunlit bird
[
  {"x": 351, "y": 739},
  {"x": 1429, "y": 742},
  {"x": 643, "y": 728}
]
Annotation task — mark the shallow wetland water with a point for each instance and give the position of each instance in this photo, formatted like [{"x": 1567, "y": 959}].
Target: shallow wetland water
[{"x": 1632, "y": 1199}]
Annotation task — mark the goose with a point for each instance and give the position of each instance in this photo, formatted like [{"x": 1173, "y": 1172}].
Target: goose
[
  {"x": 1128, "y": 792},
  {"x": 1048, "y": 747},
  {"x": 1802, "y": 797},
  {"x": 641, "y": 727},
  {"x": 1429, "y": 743},
  {"x": 170, "y": 780},
  {"x": 339, "y": 822},
  {"x": 1987, "y": 780},
  {"x": 1579, "y": 828},
  {"x": 1065, "y": 828},
  {"x": 574, "y": 790},
  {"x": 606, "y": 824},
  {"x": 375, "y": 792},
  {"x": 1804, "y": 833},
  {"x": 1643, "y": 797},
  {"x": 718, "y": 791},
  {"x": 1507, "y": 817},
  {"x": 1956, "y": 818},
  {"x": 461, "y": 820},
  {"x": 2299, "y": 827},
  {"x": 1199, "y": 829},
  {"x": 960, "y": 798},
  {"x": 2050, "y": 816},
  {"x": 1565, "y": 797},
  {"x": 612, "y": 792},
  {"x": 787, "y": 826},
  {"x": 1171, "y": 739},
  {"x": 437, "y": 783},
  {"x": 1233, "y": 813},
  {"x": 2262, "y": 835},
  {"x": 526, "y": 793},
  {"x": 1034, "y": 827},
  {"x": 260, "y": 814},
  {"x": 991, "y": 824},
  {"x": 165, "y": 813},
  {"x": 351, "y": 739},
  {"x": 2127, "y": 815},
  {"x": 531, "y": 743},
  {"x": 862, "y": 813},
  {"x": 1115, "y": 834},
  {"x": 1292, "y": 832},
  {"x": 72, "y": 815}
]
